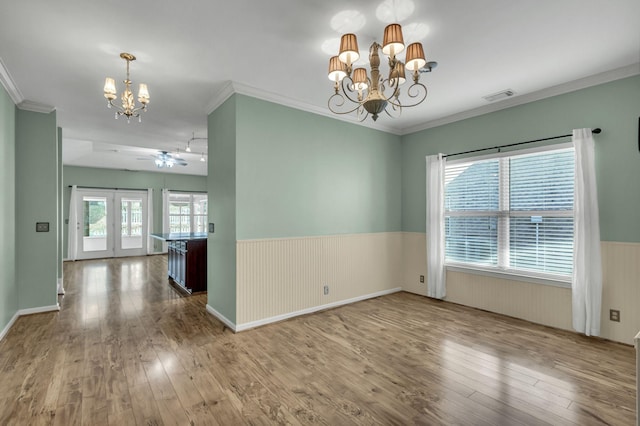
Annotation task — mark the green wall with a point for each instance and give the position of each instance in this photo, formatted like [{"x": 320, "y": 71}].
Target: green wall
[
  {"x": 301, "y": 174},
  {"x": 8, "y": 283},
  {"x": 126, "y": 179},
  {"x": 614, "y": 106},
  {"x": 36, "y": 201},
  {"x": 277, "y": 172},
  {"x": 221, "y": 185}
]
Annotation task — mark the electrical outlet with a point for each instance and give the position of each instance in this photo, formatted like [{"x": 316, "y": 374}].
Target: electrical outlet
[
  {"x": 421, "y": 278},
  {"x": 326, "y": 289},
  {"x": 42, "y": 226},
  {"x": 614, "y": 315}
]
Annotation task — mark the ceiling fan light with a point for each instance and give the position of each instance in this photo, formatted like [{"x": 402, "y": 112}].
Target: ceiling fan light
[
  {"x": 337, "y": 69},
  {"x": 110, "y": 88},
  {"x": 415, "y": 57},
  {"x": 393, "y": 42},
  {"x": 349, "y": 49},
  {"x": 143, "y": 94}
]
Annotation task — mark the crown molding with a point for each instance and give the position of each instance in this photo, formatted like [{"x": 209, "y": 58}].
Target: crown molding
[
  {"x": 225, "y": 93},
  {"x": 10, "y": 85},
  {"x": 233, "y": 87},
  {"x": 33, "y": 106},
  {"x": 560, "y": 89}
]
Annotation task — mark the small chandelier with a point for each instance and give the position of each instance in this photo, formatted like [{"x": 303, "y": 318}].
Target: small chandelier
[
  {"x": 375, "y": 94},
  {"x": 128, "y": 107}
]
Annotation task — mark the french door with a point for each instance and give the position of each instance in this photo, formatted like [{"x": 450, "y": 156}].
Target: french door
[{"x": 111, "y": 223}]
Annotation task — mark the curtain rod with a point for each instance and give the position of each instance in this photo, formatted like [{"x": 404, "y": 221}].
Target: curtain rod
[
  {"x": 113, "y": 189},
  {"x": 134, "y": 189},
  {"x": 596, "y": 131}
]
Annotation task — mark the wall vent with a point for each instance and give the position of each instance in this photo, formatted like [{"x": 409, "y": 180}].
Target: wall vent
[{"x": 499, "y": 96}]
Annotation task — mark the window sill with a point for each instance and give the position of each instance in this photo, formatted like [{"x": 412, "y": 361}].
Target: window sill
[{"x": 511, "y": 275}]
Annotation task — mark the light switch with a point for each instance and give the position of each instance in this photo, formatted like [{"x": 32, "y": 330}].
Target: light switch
[{"x": 211, "y": 228}]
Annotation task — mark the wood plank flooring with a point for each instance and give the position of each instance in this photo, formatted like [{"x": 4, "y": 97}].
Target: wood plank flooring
[{"x": 126, "y": 348}]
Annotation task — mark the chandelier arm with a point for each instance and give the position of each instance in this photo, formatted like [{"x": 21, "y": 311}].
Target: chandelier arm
[
  {"x": 416, "y": 90},
  {"x": 361, "y": 117},
  {"x": 385, "y": 85},
  {"x": 346, "y": 90},
  {"x": 338, "y": 98},
  {"x": 396, "y": 107}
]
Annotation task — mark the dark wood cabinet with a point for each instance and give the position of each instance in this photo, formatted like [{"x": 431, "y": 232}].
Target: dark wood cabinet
[{"x": 187, "y": 264}]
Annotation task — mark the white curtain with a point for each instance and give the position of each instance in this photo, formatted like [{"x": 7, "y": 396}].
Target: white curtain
[
  {"x": 435, "y": 227},
  {"x": 165, "y": 216},
  {"x": 587, "y": 265},
  {"x": 72, "y": 238},
  {"x": 150, "y": 239}
]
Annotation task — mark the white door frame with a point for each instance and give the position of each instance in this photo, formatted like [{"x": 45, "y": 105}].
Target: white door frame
[
  {"x": 121, "y": 249},
  {"x": 113, "y": 240}
]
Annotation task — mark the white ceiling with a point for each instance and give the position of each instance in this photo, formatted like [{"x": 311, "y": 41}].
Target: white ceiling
[{"x": 58, "y": 54}]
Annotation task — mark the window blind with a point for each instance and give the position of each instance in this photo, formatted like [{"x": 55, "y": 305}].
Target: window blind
[{"x": 512, "y": 213}]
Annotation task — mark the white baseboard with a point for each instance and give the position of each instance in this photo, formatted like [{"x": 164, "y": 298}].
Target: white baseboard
[
  {"x": 265, "y": 321},
  {"x": 222, "y": 318},
  {"x": 28, "y": 311},
  {"x": 5, "y": 330},
  {"x": 39, "y": 310}
]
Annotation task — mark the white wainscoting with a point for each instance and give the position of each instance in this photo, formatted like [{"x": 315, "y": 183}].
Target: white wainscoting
[
  {"x": 284, "y": 277},
  {"x": 542, "y": 304}
]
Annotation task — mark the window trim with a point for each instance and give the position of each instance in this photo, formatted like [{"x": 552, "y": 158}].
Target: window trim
[
  {"x": 511, "y": 275},
  {"x": 562, "y": 281},
  {"x": 191, "y": 214}
]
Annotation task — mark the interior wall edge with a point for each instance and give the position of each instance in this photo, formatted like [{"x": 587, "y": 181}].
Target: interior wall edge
[
  {"x": 7, "y": 327},
  {"x": 226, "y": 321}
]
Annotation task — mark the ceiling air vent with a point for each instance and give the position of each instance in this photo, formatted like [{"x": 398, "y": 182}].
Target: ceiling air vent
[{"x": 499, "y": 96}]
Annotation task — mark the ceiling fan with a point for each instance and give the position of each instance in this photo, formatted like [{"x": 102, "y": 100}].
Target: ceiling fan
[{"x": 163, "y": 159}]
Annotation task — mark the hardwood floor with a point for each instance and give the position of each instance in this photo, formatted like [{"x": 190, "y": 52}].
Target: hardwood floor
[{"x": 128, "y": 349}]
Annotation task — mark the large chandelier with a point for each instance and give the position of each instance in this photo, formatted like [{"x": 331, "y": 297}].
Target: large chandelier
[
  {"x": 373, "y": 93},
  {"x": 128, "y": 107}
]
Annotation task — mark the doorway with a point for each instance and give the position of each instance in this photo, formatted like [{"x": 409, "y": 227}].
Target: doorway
[{"x": 111, "y": 223}]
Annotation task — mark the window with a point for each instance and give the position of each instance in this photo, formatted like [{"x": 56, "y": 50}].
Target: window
[
  {"x": 187, "y": 212},
  {"x": 512, "y": 214}
]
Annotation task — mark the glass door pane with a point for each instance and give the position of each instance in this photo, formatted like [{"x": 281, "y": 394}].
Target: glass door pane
[
  {"x": 131, "y": 223},
  {"x": 94, "y": 223}
]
